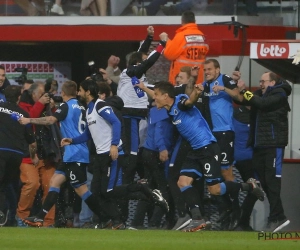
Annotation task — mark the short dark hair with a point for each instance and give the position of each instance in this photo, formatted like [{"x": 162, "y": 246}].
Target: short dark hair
[
  {"x": 104, "y": 88},
  {"x": 188, "y": 17},
  {"x": 12, "y": 93},
  {"x": 69, "y": 88},
  {"x": 135, "y": 58},
  {"x": 2, "y": 67},
  {"x": 90, "y": 85},
  {"x": 165, "y": 87},
  {"x": 49, "y": 83},
  {"x": 214, "y": 61}
]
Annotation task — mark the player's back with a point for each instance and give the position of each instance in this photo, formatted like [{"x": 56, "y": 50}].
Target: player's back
[
  {"x": 73, "y": 126},
  {"x": 191, "y": 125}
]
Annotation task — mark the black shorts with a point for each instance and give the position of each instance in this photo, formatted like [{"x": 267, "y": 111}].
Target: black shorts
[
  {"x": 74, "y": 172},
  {"x": 205, "y": 162},
  {"x": 225, "y": 141}
]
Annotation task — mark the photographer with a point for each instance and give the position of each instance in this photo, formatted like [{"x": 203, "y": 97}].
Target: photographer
[
  {"x": 35, "y": 101},
  {"x": 51, "y": 87}
]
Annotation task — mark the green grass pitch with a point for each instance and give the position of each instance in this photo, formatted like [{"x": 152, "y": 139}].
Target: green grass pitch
[{"x": 89, "y": 239}]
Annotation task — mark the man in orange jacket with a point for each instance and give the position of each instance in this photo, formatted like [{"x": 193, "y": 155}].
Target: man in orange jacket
[{"x": 188, "y": 47}]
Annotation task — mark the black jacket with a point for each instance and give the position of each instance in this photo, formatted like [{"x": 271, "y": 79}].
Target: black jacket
[
  {"x": 13, "y": 135},
  {"x": 269, "y": 116},
  {"x": 5, "y": 84}
]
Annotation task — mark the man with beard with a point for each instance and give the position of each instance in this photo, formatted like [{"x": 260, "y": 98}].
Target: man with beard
[{"x": 3, "y": 83}]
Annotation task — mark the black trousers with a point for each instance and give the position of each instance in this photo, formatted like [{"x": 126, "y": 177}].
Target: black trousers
[
  {"x": 131, "y": 147},
  {"x": 155, "y": 171},
  {"x": 246, "y": 171},
  {"x": 267, "y": 164},
  {"x": 9, "y": 171},
  {"x": 101, "y": 183}
]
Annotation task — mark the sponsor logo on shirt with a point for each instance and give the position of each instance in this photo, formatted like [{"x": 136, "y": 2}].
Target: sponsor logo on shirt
[
  {"x": 8, "y": 111},
  {"x": 76, "y": 106},
  {"x": 211, "y": 94}
]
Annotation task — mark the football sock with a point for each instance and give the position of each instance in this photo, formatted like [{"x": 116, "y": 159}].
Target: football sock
[
  {"x": 232, "y": 188},
  {"x": 192, "y": 199},
  {"x": 49, "y": 202},
  {"x": 247, "y": 208}
]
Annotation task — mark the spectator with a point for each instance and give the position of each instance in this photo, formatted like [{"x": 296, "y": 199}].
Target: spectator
[
  {"x": 33, "y": 7},
  {"x": 88, "y": 7},
  {"x": 102, "y": 7},
  {"x": 184, "y": 5},
  {"x": 149, "y": 10},
  {"x": 96, "y": 7},
  {"x": 57, "y": 8},
  {"x": 14, "y": 141},
  {"x": 228, "y": 7},
  {"x": 188, "y": 47}
]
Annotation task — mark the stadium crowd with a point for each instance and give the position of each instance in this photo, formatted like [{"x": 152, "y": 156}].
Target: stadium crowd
[{"x": 76, "y": 161}]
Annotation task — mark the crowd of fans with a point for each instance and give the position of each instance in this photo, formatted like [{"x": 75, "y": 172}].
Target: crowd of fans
[{"x": 137, "y": 7}]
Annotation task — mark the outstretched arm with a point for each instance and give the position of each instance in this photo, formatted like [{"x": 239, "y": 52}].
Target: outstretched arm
[
  {"x": 193, "y": 98},
  {"x": 142, "y": 86},
  {"x": 48, "y": 120},
  {"x": 140, "y": 69},
  {"x": 147, "y": 42}
]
